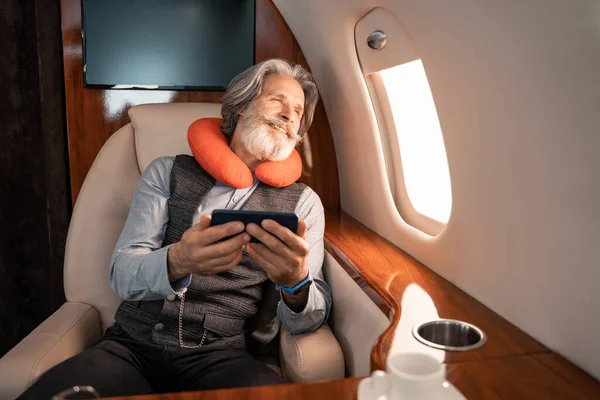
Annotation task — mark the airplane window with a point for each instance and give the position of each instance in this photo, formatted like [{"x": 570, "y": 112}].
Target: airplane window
[{"x": 419, "y": 137}]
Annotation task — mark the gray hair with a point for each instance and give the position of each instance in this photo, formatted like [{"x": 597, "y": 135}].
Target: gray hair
[{"x": 246, "y": 86}]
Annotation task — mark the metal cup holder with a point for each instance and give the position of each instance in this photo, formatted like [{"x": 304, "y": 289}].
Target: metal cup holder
[{"x": 449, "y": 335}]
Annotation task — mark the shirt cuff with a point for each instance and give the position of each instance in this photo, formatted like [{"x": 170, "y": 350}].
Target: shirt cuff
[
  {"x": 181, "y": 284},
  {"x": 158, "y": 277},
  {"x": 309, "y": 319}
]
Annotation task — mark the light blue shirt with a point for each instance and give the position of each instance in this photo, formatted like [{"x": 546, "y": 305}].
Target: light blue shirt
[{"x": 138, "y": 269}]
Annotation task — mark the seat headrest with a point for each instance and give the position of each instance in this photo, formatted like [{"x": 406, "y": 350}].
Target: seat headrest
[{"x": 161, "y": 129}]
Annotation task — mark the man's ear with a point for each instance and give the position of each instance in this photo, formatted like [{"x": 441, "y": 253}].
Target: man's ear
[{"x": 243, "y": 112}]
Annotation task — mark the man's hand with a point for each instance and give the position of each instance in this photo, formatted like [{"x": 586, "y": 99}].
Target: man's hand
[
  {"x": 281, "y": 253},
  {"x": 198, "y": 252}
]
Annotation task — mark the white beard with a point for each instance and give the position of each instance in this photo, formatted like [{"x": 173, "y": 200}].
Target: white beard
[{"x": 264, "y": 143}]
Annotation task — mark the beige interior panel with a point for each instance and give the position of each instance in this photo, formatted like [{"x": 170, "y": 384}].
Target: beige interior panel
[
  {"x": 160, "y": 129},
  {"x": 96, "y": 224},
  {"x": 516, "y": 88},
  {"x": 355, "y": 320},
  {"x": 396, "y": 50}
]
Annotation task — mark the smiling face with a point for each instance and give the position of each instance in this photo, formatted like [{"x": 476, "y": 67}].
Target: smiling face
[{"x": 269, "y": 126}]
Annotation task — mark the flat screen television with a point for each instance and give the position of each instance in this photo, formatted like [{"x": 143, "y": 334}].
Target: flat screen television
[{"x": 166, "y": 44}]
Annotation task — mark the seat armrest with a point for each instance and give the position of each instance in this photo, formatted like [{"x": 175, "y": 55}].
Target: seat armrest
[
  {"x": 71, "y": 329},
  {"x": 311, "y": 356}
]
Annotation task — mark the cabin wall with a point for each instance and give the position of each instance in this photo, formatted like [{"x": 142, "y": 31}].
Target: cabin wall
[
  {"x": 517, "y": 91},
  {"x": 35, "y": 199},
  {"x": 94, "y": 114}
]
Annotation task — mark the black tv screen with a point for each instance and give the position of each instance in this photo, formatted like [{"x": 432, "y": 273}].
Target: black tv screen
[{"x": 171, "y": 44}]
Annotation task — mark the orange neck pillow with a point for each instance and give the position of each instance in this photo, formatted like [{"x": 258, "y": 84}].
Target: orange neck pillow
[{"x": 211, "y": 150}]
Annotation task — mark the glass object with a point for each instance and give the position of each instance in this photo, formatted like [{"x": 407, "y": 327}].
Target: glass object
[{"x": 77, "y": 393}]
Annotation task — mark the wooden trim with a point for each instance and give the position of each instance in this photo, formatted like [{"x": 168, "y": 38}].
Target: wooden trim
[
  {"x": 523, "y": 377},
  {"x": 352, "y": 270},
  {"x": 511, "y": 365},
  {"x": 336, "y": 389},
  {"x": 94, "y": 114},
  {"x": 571, "y": 374},
  {"x": 389, "y": 271}
]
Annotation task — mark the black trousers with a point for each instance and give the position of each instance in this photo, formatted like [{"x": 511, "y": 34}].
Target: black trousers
[{"x": 121, "y": 366}]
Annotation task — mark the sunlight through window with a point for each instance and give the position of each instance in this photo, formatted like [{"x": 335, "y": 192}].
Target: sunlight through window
[{"x": 422, "y": 150}]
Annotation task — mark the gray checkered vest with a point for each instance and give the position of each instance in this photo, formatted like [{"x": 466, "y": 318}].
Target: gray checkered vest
[{"x": 222, "y": 308}]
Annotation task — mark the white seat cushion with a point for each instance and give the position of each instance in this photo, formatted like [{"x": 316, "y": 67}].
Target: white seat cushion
[{"x": 161, "y": 129}]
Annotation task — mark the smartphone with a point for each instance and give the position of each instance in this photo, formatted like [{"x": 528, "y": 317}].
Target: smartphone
[{"x": 289, "y": 220}]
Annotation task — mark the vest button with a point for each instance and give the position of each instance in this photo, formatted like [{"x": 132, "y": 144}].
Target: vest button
[
  {"x": 171, "y": 297},
  {"x": 159, "y": 327}
]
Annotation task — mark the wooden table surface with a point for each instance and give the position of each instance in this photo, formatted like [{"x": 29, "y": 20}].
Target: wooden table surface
[
  {"x": 338, "y": 389},
  {"x": 546, "y": 377}
]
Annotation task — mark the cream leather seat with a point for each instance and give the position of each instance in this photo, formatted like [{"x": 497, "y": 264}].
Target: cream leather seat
[{"x": 155, "y": 130}]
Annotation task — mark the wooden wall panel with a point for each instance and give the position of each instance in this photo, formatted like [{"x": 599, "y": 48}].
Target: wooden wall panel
[
  {"x": 274, "y": 39},
  {"x": 93, "y": 115}
]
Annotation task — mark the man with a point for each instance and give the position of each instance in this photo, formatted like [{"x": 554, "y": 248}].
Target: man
[{"x": 194, "y": 294}]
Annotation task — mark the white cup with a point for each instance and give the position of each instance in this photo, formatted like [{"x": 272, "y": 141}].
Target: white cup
[{"x": 410, "y": 376}]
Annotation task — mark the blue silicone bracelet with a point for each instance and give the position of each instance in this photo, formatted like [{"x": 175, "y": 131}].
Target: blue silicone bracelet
[{"x": 293, "y": 289}]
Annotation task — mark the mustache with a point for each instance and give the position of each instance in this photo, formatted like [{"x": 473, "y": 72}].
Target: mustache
[{"x": 281, "y": 123}]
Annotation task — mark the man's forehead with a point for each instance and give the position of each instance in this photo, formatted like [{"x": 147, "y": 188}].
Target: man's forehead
[{"x": 283, "y": 85}]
